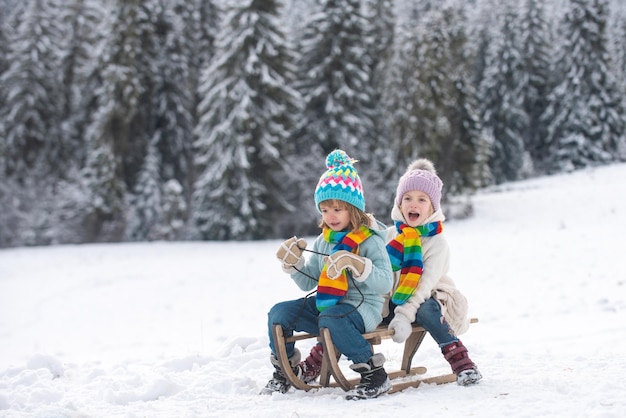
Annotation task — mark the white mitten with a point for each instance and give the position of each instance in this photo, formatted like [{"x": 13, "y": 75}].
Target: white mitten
[
  {"x": 290, "y": 254},
  {"x": 402, "y": 327},
  {"x": 360, "y": 267}
]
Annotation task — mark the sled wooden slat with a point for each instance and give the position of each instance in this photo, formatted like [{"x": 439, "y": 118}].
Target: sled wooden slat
[
  {"x": 439, "y": 380},
  {"x": 283, "y": 360},
  {"x": 330, "y": 361}
]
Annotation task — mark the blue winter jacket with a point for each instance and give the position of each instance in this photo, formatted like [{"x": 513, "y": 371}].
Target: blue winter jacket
[{"x": 378, "y": 283}]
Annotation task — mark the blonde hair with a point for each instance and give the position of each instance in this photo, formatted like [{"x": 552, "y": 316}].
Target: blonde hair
[{"x": 357, "y": 216}]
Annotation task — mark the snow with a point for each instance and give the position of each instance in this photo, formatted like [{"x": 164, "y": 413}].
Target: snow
[{"x": 178, "y": 329}]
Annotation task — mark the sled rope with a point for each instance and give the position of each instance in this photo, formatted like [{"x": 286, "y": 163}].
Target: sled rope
[{"x": 330, "y": 291}]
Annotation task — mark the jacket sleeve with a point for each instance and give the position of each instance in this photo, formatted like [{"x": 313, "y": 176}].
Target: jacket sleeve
[
  {"x": 380, "y": 280},
  {"x": 436, "y": 259}
]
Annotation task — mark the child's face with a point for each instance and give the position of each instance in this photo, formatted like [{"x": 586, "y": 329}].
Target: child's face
[
  {"x": 416, "y": 207},
  {"x": 335, "y": 215}
]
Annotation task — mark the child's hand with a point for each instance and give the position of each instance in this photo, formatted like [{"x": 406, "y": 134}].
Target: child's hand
[
  {"x": 360, "y": 267},
  {"x": 290, "y": 254},
  {"x": 402, "y": 327}
]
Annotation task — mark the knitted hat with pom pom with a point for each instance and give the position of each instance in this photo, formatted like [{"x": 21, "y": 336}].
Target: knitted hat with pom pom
[
  {"x": 421, "y": 175},
  {"x": 341, "y": 181}
]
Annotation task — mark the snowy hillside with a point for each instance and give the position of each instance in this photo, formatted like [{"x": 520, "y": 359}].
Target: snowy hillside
[{"x": 178, "y": 329}]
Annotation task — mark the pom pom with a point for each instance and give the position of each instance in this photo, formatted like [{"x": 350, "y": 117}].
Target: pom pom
[
  {"x": 422, "y": 164},
  {"x": 338, "y": 158}
]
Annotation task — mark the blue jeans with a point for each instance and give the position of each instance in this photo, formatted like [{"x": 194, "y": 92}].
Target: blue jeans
[
  {"x": 430, "y": 318},
  {"x": 342, "y": 320}
]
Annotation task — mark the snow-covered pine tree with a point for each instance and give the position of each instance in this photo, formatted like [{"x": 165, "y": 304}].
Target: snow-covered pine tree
[
  {"x": 5, "y": 199},
  {"x": 4, "y": 42},
  {"x": 173, "y": 211},
  {"x": 483, "y": 30},
  {"x": 618, "y": 47},
  {"x": 619, "y": 63},
  {"x": 84, "y": 28},
  {"x": 379, "y": 32},
  {"x": 335, "y": 80},
  {"x": 173, "y": 97},
  {"x": 200, "y": 21},
  {"x": 378, "y": 168},
  {"x": 536, "y": 48},
  {"x": 32, "y": 99},
  {"x": 586, "y": 109},
  {"x": 121, "y": 117},
  {"x": 245, "y": 119},
  {"x": 146, "y": 202},
  {"x": 100, "y": 201},
  {"x": 9, "y": 221},
  {"x": 168, "y": 157},
  {"x": 31, "y": 107},
  {"x": 439, "y": 119},
  {"x": 401, "y": 98},
  {"x": 450, "y": 127},
  {"x": 502, "y": 102}
]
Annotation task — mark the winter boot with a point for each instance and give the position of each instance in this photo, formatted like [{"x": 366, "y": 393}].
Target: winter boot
[
  {"x": 462, "y": 366},
  {"x": 312, "y": 366},
  {"x": 374, "y": 379},
  {"x": 278, "y": 382}
]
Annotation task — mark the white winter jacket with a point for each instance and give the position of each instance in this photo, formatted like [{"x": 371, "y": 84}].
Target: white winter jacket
[{"x": 434, "y": 281}]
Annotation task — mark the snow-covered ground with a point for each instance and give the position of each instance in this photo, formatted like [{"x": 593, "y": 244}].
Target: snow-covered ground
[{"x": 179, "y": 329}]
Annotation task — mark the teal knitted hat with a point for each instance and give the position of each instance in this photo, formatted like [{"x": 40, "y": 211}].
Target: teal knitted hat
[{"x": 340, "y": 181}]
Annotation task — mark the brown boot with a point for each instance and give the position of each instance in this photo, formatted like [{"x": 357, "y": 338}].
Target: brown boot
[
  {"x": 312, "y": 366},
  {"x": 463, "y": 367}
]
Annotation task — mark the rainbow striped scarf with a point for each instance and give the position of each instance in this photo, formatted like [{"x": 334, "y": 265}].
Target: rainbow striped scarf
[
  {"x": 329, "y": 291},
  {"x": 405, "y": 252}
]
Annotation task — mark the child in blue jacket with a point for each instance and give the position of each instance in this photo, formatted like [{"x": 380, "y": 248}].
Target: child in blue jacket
[{"x": 350, "y": 268}]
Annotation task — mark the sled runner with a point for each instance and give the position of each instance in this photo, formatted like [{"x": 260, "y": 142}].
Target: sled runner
[{"x": 330, "y": 362}]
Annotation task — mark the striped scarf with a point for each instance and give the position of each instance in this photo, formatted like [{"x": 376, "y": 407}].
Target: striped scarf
[
  {"x": 329, "y": 291},
  {"x": 405, "y": 252}
]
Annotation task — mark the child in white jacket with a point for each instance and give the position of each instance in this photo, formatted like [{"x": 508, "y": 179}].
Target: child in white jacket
[{"x": 420, "y": 256}]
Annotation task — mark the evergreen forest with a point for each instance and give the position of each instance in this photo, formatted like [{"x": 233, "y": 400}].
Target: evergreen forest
[{"x": 142, "y": 120}]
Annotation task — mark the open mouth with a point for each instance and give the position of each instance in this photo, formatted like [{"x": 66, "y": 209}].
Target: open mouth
[{"x": 413, "y": 216}]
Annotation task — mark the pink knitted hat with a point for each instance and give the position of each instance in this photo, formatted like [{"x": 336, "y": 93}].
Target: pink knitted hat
[{"x": 421, "y": 175}]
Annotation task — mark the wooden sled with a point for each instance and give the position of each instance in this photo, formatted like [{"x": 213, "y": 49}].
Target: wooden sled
[{"x": 330, "y": 361}]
